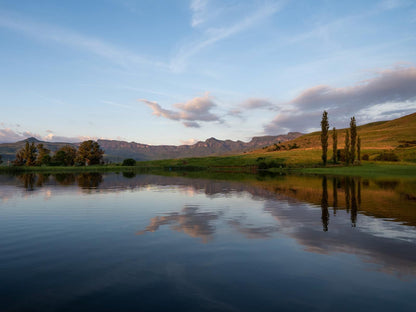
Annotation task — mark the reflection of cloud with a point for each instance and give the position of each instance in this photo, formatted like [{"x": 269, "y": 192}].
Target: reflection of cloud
[
  {"x": 196, "y": 109},
  {"x": 260, "y": 232},
  {"x": 190, "y": 221}
]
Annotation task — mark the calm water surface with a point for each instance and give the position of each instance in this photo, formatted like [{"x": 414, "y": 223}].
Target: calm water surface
[{"x": 116, "y": 242}]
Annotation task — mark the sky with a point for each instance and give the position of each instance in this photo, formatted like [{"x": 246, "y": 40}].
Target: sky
[{"x": 179, "y": 71}]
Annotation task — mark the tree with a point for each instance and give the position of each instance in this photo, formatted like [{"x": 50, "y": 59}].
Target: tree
[
  {"x": 1, "y": 159},
  {"x": 334, "y": 145},
  {"x": 359, "y": 149},
  {"x": 129, "y": 162},
  {"x": 347, "y": 147},
  {"x": 26, "y": 156},
  {"x": 353, "y": 129},
  {"x": 324, "y": 136},
  {"x": 65, "y": 156},
  {"x": 89, "y": 153},
  {"x": 43, "y": 157}
]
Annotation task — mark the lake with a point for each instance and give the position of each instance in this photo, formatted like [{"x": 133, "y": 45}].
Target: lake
[{"x": 127, "y": 242}]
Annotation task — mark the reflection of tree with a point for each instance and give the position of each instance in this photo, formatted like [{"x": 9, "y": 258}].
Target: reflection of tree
[
  {"x": 65, "y": 178},
  {"x": 324, "y": 205},
  {"x": 90, "y": 180},
  {"x": 335, "y": 194},
  {"x": 42, "y": 179},
  {"x": 189, "y": 221},
  {"x": 347, "y": 194},
  {"x": 129, "y": 175},
  {"x": 28, "y": 180},
  {"x": 353, "y": 204}
]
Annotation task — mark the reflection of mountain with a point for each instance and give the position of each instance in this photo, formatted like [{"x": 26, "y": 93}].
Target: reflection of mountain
[
  {"x": 190, "y": 220},
  {"x": 373, "y": 219}
]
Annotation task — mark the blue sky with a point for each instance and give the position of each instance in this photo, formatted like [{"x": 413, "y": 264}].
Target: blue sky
[{"x": 175, "y": 72}]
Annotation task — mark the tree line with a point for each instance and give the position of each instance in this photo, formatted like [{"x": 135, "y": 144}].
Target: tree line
[
  {"x": 88, "y": 153},
  {"x": 352, "y": 151}
]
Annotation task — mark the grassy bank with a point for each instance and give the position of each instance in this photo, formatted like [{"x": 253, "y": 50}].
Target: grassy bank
[{"x": 366, "y": 169}]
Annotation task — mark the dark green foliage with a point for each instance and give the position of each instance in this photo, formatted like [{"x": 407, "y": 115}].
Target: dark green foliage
[
  {"x": 43, "y": 157},
  {"x": 89, "y": 153},
  {"x": 387, "y": 156},
  {"x": 359, "y": 149},
  {"x": 334, "y": 145},
  {"x": 324, "y": 136},
  {"x": 353, "y": 130},
  {"x": 365, "y": 157},
  {"x": 293, "y": 146},
  {"x": 65, "y": 156},
  {"x": 26, "y": 156},
  {"x": 129, "y": 162},
  {"x": 270, "y": 164},
  {"x": 347, "y": 147}
]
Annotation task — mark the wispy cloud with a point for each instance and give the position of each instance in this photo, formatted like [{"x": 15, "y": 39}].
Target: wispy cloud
[
  {"x": 389, "y": 90},
  {"x": 198, "y": 9},
  {"x": 190, "y": 112},
  {"x": 52, "y": 33},
  {"x": 213, "y": 35},
  {"x": 8, "y": 135},
  {"x": 258, "y": 103}
]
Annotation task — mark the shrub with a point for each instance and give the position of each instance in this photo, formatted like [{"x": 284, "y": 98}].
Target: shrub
[
  {"x": 365, "y": 157},
  {"x": 129, "y": 162},
  {"x": 387, "y": 156}
]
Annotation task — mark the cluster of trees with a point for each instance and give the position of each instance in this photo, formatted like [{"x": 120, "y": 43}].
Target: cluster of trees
[
  {"x": 88, "y": 153},
  {"x": 352, "y": 149}
]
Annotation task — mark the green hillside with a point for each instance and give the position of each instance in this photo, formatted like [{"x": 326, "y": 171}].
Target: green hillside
[{"x": 398, "y": 135}]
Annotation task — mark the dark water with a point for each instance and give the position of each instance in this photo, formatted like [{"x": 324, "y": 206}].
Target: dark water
[{"x": 151, "y": 243}]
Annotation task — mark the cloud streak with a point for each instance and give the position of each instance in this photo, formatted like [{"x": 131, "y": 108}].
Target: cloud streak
[
  {"x": 213, "y": 35},
  {"x": 190, "y": 112},
  {"x": 52, "y": 33},
  {"x": 392, "y": 88}
]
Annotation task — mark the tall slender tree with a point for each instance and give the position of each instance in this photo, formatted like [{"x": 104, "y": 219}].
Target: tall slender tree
[
  {"x": 359, "y": 149},
  {"x": 347, "y": 147},
  {"x": 334, "y": 145},
  {"x": 324, "y": 136},
  {"x": 353, "y": 129}
]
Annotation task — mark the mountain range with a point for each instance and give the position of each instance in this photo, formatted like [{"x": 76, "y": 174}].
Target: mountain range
[{"x": 116, "y": 151}]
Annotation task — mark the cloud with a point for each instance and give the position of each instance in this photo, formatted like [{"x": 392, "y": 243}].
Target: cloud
[
  {"x": 189, "y": 142},
  {"x": 47, "y": 32},
  {"x": 191, "y": 124},
  {"x": 196, "y": 109},
  {"x": 213, "y": 35},
  {"x": 8, "y": 135},
  {"x": 388, "y": 90},
  {"x": 256, "y": 103},
  {"x": 198, "y": 9}
]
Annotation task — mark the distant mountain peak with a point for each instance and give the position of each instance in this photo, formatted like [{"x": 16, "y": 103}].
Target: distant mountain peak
[{"x": 31, "y": 140}]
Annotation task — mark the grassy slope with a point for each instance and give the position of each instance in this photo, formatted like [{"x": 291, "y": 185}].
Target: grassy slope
[{"x": 375, "y": 137}]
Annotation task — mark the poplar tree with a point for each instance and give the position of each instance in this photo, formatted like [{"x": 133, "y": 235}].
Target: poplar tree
[
  {"x": 324, "y": 136},
  {"x": 347, "y": 147},
  {"x": 334, "y": 145},
  {"x": 353, "y": 129}
]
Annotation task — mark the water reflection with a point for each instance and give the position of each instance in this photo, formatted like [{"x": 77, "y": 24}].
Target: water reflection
[
  {"x": 374, "y": 219},
  {"x": 190, "y": 221}
]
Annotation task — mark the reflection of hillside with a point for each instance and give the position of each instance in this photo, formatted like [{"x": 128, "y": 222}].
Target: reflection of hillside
[
  {"x": 323, "y": 214},
  {"x": 190, "y": 221},
  {"x": 355, "y": 195}
]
